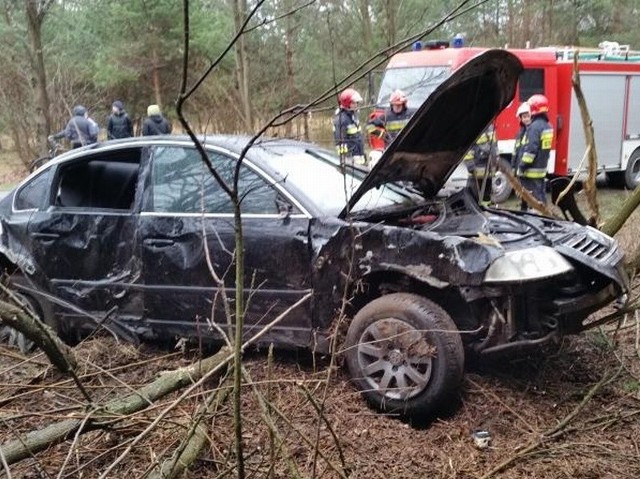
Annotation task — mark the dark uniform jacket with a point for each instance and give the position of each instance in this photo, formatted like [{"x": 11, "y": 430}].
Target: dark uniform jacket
[
  {"x": 390, "y": 124},
  {"x": 536, "y": 147},
  {"x": 79, "y": 130},
  {"x": 156, "y": 125},
  {"x": 347, "y": 133},
  {"x": 477, "y": 158},
  {"x": 119, "y": 126}
]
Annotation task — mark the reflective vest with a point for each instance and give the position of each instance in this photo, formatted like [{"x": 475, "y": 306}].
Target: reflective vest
[{"x": 536, "y": 147}]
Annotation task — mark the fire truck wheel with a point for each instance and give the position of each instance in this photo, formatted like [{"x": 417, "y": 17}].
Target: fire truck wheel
[
  {"x": 501, "y": 188},
  {"x": 632, "y": 175}
]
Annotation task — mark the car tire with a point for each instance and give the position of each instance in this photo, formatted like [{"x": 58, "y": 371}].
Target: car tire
[
  {"x": 405, "y": 355},
  {"x": 632, "y": 173},
  {"x": 501, "y": 189}
]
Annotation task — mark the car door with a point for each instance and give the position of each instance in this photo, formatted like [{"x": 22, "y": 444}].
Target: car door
[
  {"x": 188, "y": 243},
  {"x": 81, "y": 238}
]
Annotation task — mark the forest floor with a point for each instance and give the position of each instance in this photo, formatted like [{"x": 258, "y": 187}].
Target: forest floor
[{"x": 572, "y": 411}]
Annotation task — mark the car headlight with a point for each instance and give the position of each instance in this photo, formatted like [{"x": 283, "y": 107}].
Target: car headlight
[{"x": 527, "y": 265}]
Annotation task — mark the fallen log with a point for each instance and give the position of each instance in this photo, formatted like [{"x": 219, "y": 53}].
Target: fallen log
[{"x": 101, "y": 417}]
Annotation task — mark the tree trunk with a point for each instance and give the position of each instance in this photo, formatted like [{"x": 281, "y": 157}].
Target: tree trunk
[
  {"x": 367, "y": 30},
  {"x": 35, "y": 13},
  {"x": 289, "y": 41},
  {"x": 242, "y": 63},
  {"x": 155, "y": 77},
  {"x": 391, "y": 6}
]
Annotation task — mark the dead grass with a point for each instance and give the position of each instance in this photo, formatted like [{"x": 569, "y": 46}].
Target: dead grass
[{"x": 516, "y": 402}]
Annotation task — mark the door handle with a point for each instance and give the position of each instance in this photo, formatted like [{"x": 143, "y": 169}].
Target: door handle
[
  {"x": 159, "y": 242},
  {"x": 46, "y": 236}
]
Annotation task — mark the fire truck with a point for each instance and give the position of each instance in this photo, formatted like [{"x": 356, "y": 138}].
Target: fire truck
[{"x": 610, "y": 81}]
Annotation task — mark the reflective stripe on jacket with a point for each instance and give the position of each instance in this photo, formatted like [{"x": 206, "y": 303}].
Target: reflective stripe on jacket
[
  {"x": 347, "y": 134},
  {"x": 477, "y": 157},
  {"x": 536, "y": 148}
]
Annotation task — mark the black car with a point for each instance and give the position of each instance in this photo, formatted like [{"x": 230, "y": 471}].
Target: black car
[{"x": 129, "y": 233}]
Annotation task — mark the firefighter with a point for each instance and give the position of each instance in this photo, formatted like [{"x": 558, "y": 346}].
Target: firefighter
[
  {"x": 346, "y": 128},
  {"x": 384, "y": 127},
  {"x": 535, "y": 149},
  {"x": 481, "y": 161},
  {"x": 524, "y": 117}
]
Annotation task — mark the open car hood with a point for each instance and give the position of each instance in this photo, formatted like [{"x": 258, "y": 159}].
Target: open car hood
[{"x": 433, "y": 143}]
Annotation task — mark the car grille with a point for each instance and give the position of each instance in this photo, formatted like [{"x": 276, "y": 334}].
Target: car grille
[{"x": 597, "y": 248}]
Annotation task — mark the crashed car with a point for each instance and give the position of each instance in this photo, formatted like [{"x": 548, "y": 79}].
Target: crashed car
[{"x": 127, "y": 234}]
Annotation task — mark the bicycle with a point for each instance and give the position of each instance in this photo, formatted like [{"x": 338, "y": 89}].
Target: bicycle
[{"x": 55, "y": 148}]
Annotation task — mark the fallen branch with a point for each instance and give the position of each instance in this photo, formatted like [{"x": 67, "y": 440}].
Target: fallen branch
[
  {"x": 587, "y": 124},
  {"x": 36, "y": 441},
  {"x": 194, "y": 441},
  {"x": 556, "y": 431},
  {"x": 525, "y": 194}
]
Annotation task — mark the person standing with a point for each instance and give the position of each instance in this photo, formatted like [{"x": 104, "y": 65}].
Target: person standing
[
  {"x": 394, "y": 119},
  {"x": 119, "y": 124},
  {"x": 80, "y": 129},
  {"x": 383, "y": 128},
  {"x": 155, "y": 123},
  {"x": 346, "y": 128},
  {"x": 536, "y": 148},
  {"x": 481, "y": 161},
  {"x": 524, "y": 117}
]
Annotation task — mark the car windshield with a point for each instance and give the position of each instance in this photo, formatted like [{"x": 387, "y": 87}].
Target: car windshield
[
  {"x": 317, "y": 174},
  {"x": 416, "y": 82}
]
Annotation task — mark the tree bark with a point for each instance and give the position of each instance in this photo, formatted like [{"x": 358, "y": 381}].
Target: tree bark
[
  {"x": 155, "y": 77},
  {"x": 36, "y": 441},
  {"x": 35, "y": 13},
  {"x": 58, "y": 353},
  {"x": 242, "y": 63}
]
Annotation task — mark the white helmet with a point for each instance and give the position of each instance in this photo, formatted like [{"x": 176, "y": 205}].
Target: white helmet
[{"x": 523, "y": 108}]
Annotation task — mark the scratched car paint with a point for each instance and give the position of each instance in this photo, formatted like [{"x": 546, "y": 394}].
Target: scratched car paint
[{"x": 125, "y": 234}]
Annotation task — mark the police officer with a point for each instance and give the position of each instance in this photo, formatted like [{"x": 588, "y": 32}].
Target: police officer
[
  {"x": 346, "y": 127},
  {"x": 481, "y": 161},
  {"x": 535, "y": 149}
]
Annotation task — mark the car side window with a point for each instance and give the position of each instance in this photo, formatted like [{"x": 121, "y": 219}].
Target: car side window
[
  {"x": 181, "y": 183},
  {"x": 32, "y": 194},
  {"x": 106, "y": 181}
]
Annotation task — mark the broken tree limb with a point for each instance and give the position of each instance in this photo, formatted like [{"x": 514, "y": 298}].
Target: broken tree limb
[
  {"x": 523, "y": 193},
  {"x": 36, "y": 441},
  {"x": 587, "y": 124},
  {"x": 613, "y": 224},
  {"x": 60, "y": 355},
  {"x": 195, "y": 439},
  {"x": 204, "y": 377}
]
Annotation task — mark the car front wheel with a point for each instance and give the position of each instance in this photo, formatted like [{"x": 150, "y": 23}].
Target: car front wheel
[{"x": 405, "y": 355}]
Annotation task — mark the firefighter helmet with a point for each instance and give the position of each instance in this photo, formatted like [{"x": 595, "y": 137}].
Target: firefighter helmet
[
  {"x": 523, "y": 108},
  {"x": 398, "y": 98},
  {"x": 348, "y": 97},
  {"x": 538, "y": 104}
]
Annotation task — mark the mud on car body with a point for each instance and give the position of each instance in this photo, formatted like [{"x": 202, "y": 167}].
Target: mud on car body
[{"x": 117, "y": 233}]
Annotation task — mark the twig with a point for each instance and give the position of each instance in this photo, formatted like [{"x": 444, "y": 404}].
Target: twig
[{"x": 555, "y": 431}]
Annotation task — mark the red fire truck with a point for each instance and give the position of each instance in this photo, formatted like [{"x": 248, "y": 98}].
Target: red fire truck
[{"x": 610, "y": 80}]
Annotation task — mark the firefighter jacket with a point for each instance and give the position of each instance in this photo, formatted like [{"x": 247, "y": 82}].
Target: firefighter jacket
[
  {"x": 389, "y": 125},
  {"x": 536, "y": 147},
  {"x": 517, "y": 146},
  {"x": 485, "y": 148},
  {"x": 347, "y": 133}
]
